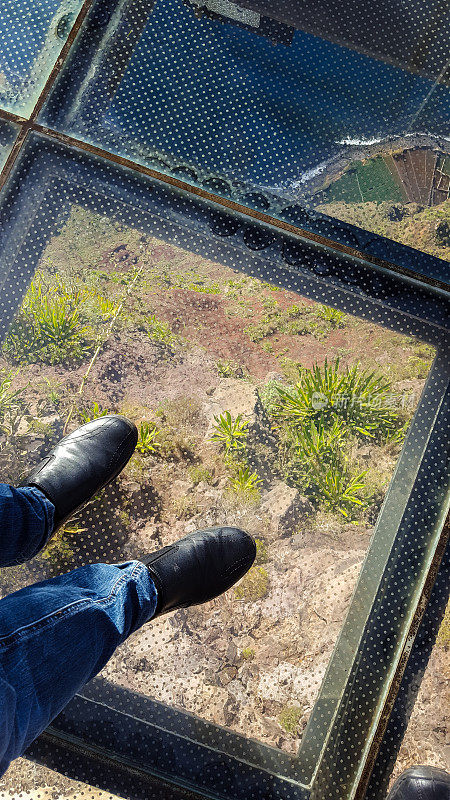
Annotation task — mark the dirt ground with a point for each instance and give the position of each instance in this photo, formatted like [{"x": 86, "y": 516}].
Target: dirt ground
[{"x": 193, "y": 340}]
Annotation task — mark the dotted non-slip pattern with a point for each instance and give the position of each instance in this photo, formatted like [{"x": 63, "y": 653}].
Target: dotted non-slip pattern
[
  {"x": 8, "y": 133},
  {"x": 192, "y": 93},
  {"x": 276, "y": 385},
  {"x": 32, "y": 34}
]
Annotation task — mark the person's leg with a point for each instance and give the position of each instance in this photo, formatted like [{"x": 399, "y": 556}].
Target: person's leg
[
  {"x": 56, "y": 635},
  {"x": 26, "y": 523}
]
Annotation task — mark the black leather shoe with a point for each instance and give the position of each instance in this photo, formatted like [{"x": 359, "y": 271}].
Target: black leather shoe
[
  {"x": 421, "y": 783},
  {"x": 199, "y": 567},
  {"x": 83, "y": 463}
]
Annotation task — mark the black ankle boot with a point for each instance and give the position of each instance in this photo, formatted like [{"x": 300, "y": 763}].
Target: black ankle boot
[
  {"x": 421, "y": 783},
  {"x": 199, "y": 567},
  {"x": 83, "y": 463}
]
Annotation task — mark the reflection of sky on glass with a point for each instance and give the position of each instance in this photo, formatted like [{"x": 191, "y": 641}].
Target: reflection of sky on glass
[
  {"x": 229, "y": 100},
  {"x": 27, "y": 28}
]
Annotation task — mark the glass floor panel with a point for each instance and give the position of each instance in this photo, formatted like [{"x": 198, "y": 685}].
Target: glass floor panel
[
  {"x": 184, "y": 342},
  {"x": 35, "y": 782},
  {"x": 32, "y": 34},
  {"x": 311, "y": 123},
  {"x": 8, "y": 133}
]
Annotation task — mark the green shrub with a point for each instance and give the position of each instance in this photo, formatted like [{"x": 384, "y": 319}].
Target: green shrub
[
  {"x": 334, "y": 318},
  {"x": 94, "y": 412},
  {"x": 247, "y": 653},
  {"x": 49, "y": 328},
  {"x": 245, "y": 481},
  {"x": 321, "y": 468},
  {"x": 254, "y": 585},
  {"x": 148, "y": 441},
  {"x": 257, "y": 331},
  {"x": 359, "y": 397},
  {"x": 160, "y": 332},
  {"x": 262, "y": 555},
  {"x": 230, "y": 434},
  {"x": 199, "y": 474},
  {"x": 289, "y": 719},
  {"x": 229, "y": 369},
  {"x": 11, "y": 402}
]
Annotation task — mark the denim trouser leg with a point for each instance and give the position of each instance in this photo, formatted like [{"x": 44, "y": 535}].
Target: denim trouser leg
[
  {"x": 57, "y": 634},
  {"x": 26, "y": 523}
]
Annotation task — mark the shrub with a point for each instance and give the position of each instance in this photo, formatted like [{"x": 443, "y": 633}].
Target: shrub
[
  {"x": 229, "y": 369},
  {"x": 199, "y": 474},
  {"x": 49, "y": 327},
  {"x": 94, "y": 412},
  {"x": 247, "y": 653},
  {"x": 254, "y": 585},
  {"x": 359, "y": 397},
  {"x": 337, "y": 489},
  {"x": 289, "y": 719},
  {"x": 231, "y": 434},
  {"x": 148, "y": 439},
  {"x": 257, "y": 331},
  {"x": 321, "y": 467},
  {"x": 11, "y": 402},
  {"x": 262, "y": 555},
  {"x": 245, "y": 481},
  {"x": 160, "y": 332},
  {"x": 334, "y": 318}
]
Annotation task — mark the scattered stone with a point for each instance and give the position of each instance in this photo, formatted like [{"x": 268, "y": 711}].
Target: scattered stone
[
  {"x": 442, "y": 233},
  {"x": 286, "y": 507},
  {"x": 228, "y": 674},
  {"x": 232, "y": 652}
]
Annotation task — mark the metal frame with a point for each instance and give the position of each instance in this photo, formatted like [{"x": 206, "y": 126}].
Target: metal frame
[
  {"x": 318, "y": 228},
  {"x": 335, "y": 757}
]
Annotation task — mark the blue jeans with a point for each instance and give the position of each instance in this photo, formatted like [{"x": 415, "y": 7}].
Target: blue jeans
[{"x": 57, "y": 634}]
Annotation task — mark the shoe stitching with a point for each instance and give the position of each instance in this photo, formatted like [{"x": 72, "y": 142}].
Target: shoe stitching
[{"x": 234, "y": 566}]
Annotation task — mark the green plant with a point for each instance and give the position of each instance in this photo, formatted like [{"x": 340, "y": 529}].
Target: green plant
[
  {"x": 106, "y": 307},
  {"x": 262, "y": 555},
  {"x": 247, "y": 653},
  {"x": 289, "y": 719},
  {"x": 245, "y": 481},
  {"x": 148, "y": 441},
  {"x": 49, "y": 327},
  {"x": 160, "y": 332},
  {"x": 94, "y": 412},
  {"x": 254, "y": 585},
  {"x": 231, "y": 434},
  {"x": 337, "y": 489},
  {"x": 11, "y": 401},
  {"x": 229, "y": 369},
  {"x": 257, "y": 331},
  {"x": 334, "y": 318},
  {"x": 359, "y": 397},
  {"x": 199, "y": 474},
  {"x": 443, "y": 637}
]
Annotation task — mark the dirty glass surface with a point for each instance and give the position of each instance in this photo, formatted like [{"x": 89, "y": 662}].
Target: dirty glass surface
[
  {"x": 275, "y": 380},
  {"x": 32, "y": 34},
  {"x": 8, "y": 133},
  {"x": 184, "y": 341},
  {"x": 286, "y": 111},
  {"x": 36, "y": 782}
]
